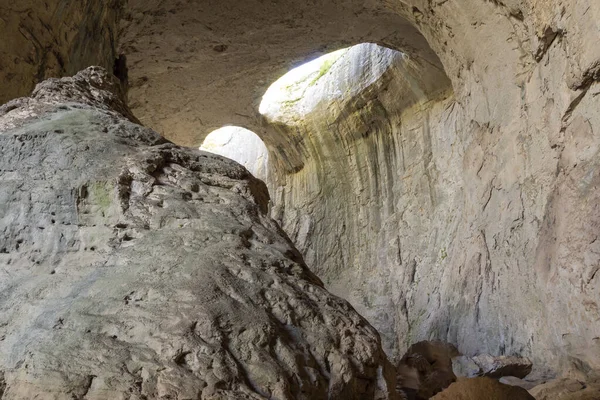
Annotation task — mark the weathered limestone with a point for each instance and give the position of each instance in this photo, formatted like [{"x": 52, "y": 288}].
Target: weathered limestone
[
  {"x": 493, "y": 367},
  {"x": 514, "y": 381},
  {"x": 208, "y": 63},
  {"x": 497, "y": 367},
  {"x": 453, "y": 199},
  {"x": 53, "y": 38},
  {"x": 464, "y": 216},
  {"x": 465, "y": 367},
  {"x": 132, "y": 268}
]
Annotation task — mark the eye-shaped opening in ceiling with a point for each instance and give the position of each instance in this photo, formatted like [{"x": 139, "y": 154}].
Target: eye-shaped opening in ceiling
[
  {"x": 333, "y": 77},
  {"x": 241, "y": 145}
]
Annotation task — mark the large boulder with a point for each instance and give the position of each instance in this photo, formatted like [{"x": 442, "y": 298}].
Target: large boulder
[
  {"x": 482, "y": 389},
  {"x": 426, "y": 369},
  {"x": 131, "y": 268}
]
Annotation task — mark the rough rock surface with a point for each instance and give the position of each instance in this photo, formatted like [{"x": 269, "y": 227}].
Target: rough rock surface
[
  {"x": 514, "y": 381},
  {"x": 455, "y": 199},
  {"x": 426, "y": 369},
  {"x": 482, "y": 388},
  {"x": 467, "y": 215},
  {"x": 567, "y": 389},
  {"x": 207, "y": 63},
  {"x": 464, "y": 366},
  {"x": 497, "y": 367},
  {"x": 493, "y": 367},
  {"x": 132, "y": 268},
  {"x": 53, "y": 38}
]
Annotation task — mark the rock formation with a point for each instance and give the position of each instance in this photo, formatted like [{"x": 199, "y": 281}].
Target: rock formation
[
  {"x": 51, "y": 38},
  {"x": 452, "y": 198},
  {"x": 567, "y": 389},
  {"x": 494, "y": 367},
  {"x": 426, "y": 369},
  {"x": 133, "y": 268},
  {"x": 482, "y": 388}
]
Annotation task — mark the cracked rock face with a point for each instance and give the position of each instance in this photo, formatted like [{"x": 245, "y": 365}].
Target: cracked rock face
[{"x": 136, "y": 269}]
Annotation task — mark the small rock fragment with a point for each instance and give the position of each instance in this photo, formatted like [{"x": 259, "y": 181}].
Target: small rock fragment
[{"x": 220, "y": 48}]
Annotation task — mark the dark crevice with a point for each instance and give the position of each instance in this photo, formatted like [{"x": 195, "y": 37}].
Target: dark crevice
[{"x": 121, "y": 72}]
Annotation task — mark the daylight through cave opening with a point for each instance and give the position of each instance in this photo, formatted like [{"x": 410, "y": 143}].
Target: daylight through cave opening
[
  {"x": 441, "y": 177},
  {"x": 354, "y": 128},
  {"x": 241, "y": 145}
]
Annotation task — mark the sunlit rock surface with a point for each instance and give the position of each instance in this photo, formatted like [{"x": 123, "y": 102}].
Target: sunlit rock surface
[
  {"x": 132, "y": 268},
  {"x": 464, "y": 216}
]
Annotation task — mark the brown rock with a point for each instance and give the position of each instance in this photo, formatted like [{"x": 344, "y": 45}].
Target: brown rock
[
  {"x": 567, "y": 389},
  {"x": 482, "y": 389},
  {"x": 426, "y": 368},
  {"x": 54, "y": 38}
]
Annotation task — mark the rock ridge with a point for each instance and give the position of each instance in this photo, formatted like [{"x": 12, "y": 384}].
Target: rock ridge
[{"x": 137, "y": 269}]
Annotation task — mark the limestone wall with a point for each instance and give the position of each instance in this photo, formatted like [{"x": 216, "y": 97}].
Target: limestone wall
[{"x": 54, "y": 38}]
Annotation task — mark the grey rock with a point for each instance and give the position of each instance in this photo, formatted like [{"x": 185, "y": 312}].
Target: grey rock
[
  {"x": 464, "y": 366},
  {"x": 132, "y": 268}
]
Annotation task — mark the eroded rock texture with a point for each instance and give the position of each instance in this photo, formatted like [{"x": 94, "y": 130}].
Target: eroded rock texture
[
  {"x": 467, "y": 215},
  {"x": 132, "y": 268},
  {"x": 455, "y": 198},
  {"x": 482, "y": 388},
  {"x": 53, "y": 38},
  {"x": 567, "y": 389}
]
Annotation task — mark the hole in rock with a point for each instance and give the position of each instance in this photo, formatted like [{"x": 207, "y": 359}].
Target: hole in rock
[
  {"x": 334, "y": 77},
  {"x": 351, "y": 146},
  {"x": 241, "y": 145}
]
